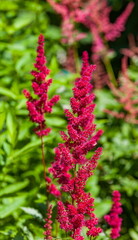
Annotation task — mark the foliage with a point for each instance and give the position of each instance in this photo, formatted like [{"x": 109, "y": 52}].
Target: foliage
[{"x": 22, "y": 194}]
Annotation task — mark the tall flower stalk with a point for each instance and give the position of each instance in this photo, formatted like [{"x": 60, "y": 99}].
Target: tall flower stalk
[
  {"x": 40, "y": 105},
  {"x": 113, "y": 218},
  {"x": 71, "y": 167}
]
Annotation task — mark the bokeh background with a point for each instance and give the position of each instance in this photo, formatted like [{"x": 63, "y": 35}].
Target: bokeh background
[{"x": 22, "y": 188}]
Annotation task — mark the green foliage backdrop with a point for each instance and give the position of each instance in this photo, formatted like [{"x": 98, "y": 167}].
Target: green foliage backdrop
[{"x": 22, "y": 193}]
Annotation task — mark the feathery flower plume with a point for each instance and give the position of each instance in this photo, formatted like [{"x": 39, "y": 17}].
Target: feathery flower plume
[
  {"x": 40, "y": 105},
  {"x": 95, "y": 15},
  {"x": 114, "y": 30},
  {"x": 51, "y": 188},
  {"x": 71, "y": 166},
  {"x": 113, "y": 218}
]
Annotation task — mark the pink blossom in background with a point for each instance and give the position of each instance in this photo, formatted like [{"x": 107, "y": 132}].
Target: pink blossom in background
[
  {"x": 115, "y": 29},
  {"x": 71, "y": 167},
  {"x": 132, "y": 51},
  {"x": 95, "y": 15},
  {"x": 113, "y": 218},
  {"x": 37, "y": 107},
  {"x": 65, "y": 9},
  {"x": 126, "y": 94}
]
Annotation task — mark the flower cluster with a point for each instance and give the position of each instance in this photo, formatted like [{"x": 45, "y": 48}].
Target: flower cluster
[
  {"x": 38, "y": 107},
  {"x": 113, "y": 218},
  {"x": 51, "y": 188},
  {"x": 65, "y": 9},
  {"x": 48, "y": 225},
  {"x": 71, "y": 166},
  {"x": 95, "y": 15}
]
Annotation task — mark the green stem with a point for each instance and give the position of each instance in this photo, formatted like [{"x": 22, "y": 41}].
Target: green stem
[
  {"x": 76, "y": 58},
  {"x": 110, "y": 71},
  {"x": 57, "y": 229},
  {"x": 43, "y": 156},
  {"x": 108, "y": 64}
]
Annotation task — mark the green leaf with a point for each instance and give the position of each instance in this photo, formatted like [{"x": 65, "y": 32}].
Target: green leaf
[
  {"x": 12, "y": 128},
  {"x": 2, "y": 119},
  {"x": 133, "y": 234},
  {"x": 22, "y": 62},
  {"x": 133, "y": 74},
  {"x": 18, "y": 237},
  {"x": 56, "y": 121},
  {"x": 105, "y": 100},
  {"x": 23, "y": 20},
  {"x": 92, "y": 185},
  {"x": 54, "y": 33},
  {"x": 8, "y": 5},
  {"x": 15, "y": 203},
  {"x": 8, "y": 93},
  {"x": 102, "y": 208},
  {"x": 53, "y": 66},
  {"x": 32, "y": 211},
  {"x": 14, "y": 187},
  {"x": 27, "y": 232},
  {"x": 29, "y": 147}
]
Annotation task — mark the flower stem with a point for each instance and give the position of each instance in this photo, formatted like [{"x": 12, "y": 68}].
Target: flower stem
[
  {"x": 43, "y": 156},
  {"x": 76, "y": 58},
  {"x": 110, "y": 71}
]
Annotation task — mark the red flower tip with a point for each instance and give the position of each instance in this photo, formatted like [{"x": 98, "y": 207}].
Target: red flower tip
[
  {"x": 113, "y": 218},
  {"x": 37, "y": 107}
]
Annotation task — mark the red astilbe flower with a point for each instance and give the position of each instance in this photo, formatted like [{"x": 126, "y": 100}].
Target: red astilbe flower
[
  {"x": 113, "y": 218},
  {"x": 71, "y": 167},
  {"x": 51, "y": 188},
  {"x": 37, "y": 107},
  {"x": 48, "y": 225}
]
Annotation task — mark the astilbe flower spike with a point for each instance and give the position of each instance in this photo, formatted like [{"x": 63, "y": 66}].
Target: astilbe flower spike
[
  {"x": 113, "y": 218},
  {"x": 40, "y": 105},
  {"x": 48, "y": 224},
  {"x": 71, "y": 167}
]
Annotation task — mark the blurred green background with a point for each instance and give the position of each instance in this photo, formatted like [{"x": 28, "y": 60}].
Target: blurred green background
[{"x": 22, "y": 188}]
